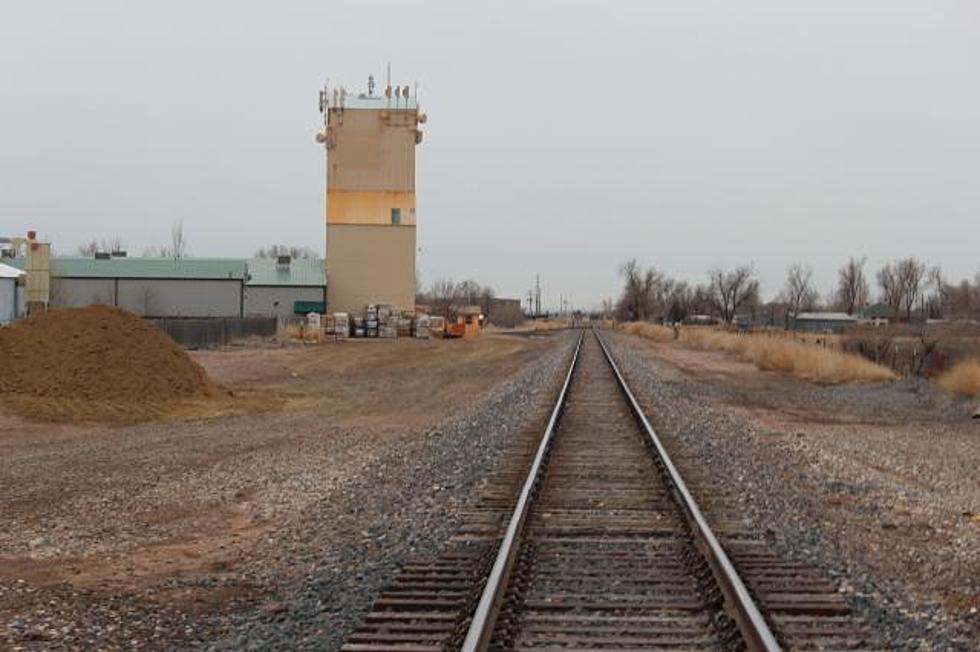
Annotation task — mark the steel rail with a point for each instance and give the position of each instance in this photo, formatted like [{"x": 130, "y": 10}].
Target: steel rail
[
  {"x": 737, "y": 599},
  {"x": 485, "y": 615}
]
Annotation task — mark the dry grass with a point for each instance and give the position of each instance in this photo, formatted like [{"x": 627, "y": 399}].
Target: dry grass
[
  {"x": 774, "y": 353},
  {"x": 649, "y": 331},
  {"x": 962, "y": 379}
]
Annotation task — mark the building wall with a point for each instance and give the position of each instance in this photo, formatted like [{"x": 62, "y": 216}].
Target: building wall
[
  {"x": 262, "y": 299},
  {"x": 181, "y": 298},
  {"x": 81, "y": 292},
  {"x": 822, "y": 325},
  {"x": 370, "y": 264},
  {"x": 505, "y": 313},
  {"x": 369, "y": 207},
  {"x": 372, "y": 149},
  {"x": 8, "y": 300}
]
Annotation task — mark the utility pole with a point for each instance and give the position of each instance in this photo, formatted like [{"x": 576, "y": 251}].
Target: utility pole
[{"x": 537, "y": 294}]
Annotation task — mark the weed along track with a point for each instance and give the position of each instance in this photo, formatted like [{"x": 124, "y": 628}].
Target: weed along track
[{"x": 603, "y": 548}]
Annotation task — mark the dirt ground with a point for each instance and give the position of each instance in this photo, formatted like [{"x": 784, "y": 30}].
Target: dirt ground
[
  {"x": 877, "y": 482},
  {"x": 144, "y": 512}
]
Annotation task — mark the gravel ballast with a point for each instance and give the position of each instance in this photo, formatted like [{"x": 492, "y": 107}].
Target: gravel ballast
[
  {"x": 404, "y": 503},
  {"x": 876, "y": 484},
  {"x": 271, "y": 530}
]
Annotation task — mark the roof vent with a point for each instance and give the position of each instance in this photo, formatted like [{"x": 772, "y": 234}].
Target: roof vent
[
  {"x": 283, "y": 261},
  {"x": 102, "y": 255},
  {"x": 118, "y": 253}
]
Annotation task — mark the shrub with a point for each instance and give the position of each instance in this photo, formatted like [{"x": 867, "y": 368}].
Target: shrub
[
  {"x": 649, "y": 331},
  {"x": 962, "y": 379}
]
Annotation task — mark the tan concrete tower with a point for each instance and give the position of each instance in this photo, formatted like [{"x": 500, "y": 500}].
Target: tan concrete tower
[{"x": 370, "y": 205}]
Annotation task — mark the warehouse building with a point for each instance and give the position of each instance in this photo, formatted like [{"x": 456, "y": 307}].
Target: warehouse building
[
  {"x": 370, "y": 204},
  {"x": 188, "y": 287},
  {"x": 823, "y": 322},
  {"x": 10, "y": 295},
  {"x": 283, "y": 287},
  {"x": 152, "y": 287}
]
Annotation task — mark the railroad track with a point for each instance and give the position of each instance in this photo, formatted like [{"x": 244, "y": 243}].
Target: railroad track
[{"x": 604, "y": 548}]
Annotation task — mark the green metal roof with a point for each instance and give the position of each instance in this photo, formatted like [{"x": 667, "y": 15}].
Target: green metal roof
[
  {"x": 878, "y": 310},
  {"x": 169, "y": 268},
  {"x": 299, "y": 272}
]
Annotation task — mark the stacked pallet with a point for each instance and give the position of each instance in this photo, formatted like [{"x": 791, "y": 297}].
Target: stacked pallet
[
  {"x": 423, "y": 327},
  {"x": 382, "y": 321},
  {"x": 341, "y": 325}
]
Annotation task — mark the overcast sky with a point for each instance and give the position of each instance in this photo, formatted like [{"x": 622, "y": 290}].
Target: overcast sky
[{"x": 563, "y": 137}]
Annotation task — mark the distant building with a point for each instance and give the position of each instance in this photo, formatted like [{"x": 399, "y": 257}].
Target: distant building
[
  {"x": 370, "y": 205},
  {"x": 469, "y": 321},
  {"x": 823, "y": 322},
  {"x": 505, "y": 313},
  {"x": 10, "y": 295},
  {"x": 877, "y": 314}
]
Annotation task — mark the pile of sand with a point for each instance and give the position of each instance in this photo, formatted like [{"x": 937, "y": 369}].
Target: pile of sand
[{"x": 93, "y": 363}]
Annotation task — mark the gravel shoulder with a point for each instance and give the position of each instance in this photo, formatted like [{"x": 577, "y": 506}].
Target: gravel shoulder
[
  {"x": 270, "y": 529},
  {"x": 876, "y": 483}
]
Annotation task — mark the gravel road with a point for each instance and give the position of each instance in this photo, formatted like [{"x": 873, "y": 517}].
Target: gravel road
[{"x": 876, "y": 484}]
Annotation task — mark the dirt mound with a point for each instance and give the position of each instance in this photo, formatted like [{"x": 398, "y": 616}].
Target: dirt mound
[{"x": 95, "y": 362}]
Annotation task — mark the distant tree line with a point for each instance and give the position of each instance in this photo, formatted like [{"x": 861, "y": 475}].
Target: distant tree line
[
  {"x": 296, "y": 253},
  {"x": 175, "y": 248},
  {"x": 907, "y": 288},
  {"x": 446, "y": 295}
]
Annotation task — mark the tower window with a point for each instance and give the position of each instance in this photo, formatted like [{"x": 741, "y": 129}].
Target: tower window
[{"x": 396, "y": 216}]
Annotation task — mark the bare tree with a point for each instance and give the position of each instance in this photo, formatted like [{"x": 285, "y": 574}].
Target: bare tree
[
  {"x": 799, "y": 290},
  {"x": 631, "y": 305},
  {"x": 937, "y": 303},
  {"x": 960, "y": 299},
  {"x": 852, "y": 286},
  {"x": 94, "y": 246},
  {"x": 443, "y": 296},
  {"x": 644, "y": 292},
  {"x": 294, "y": 252},
  {"x": 178, "y": 242},
  {"x": 680, "y": 301},
  {"x": 911, "y": 273},
  {"x": 891, "y": 288},
  {"x": 730, "y": 290}
]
